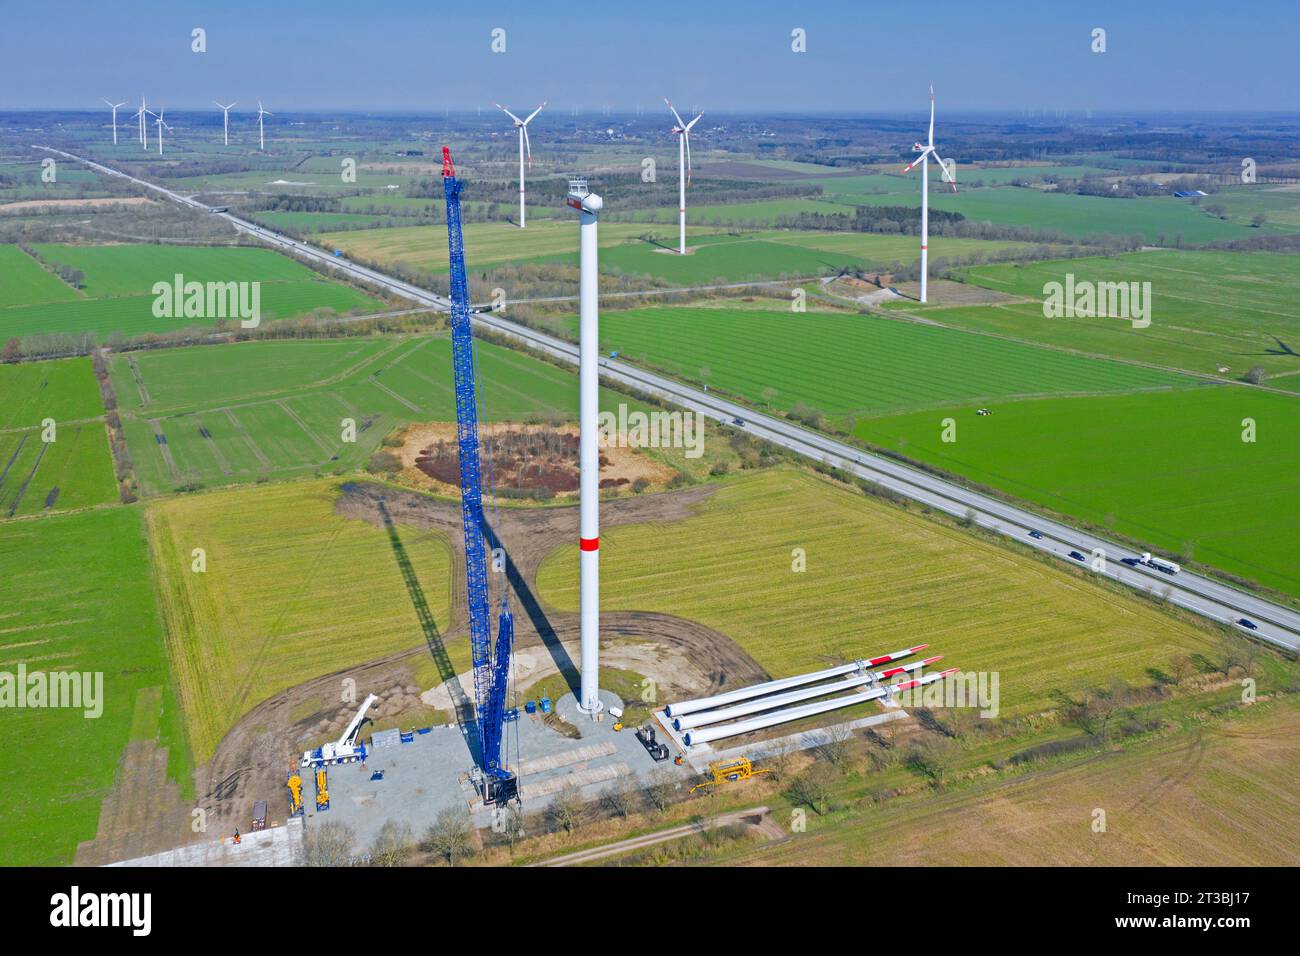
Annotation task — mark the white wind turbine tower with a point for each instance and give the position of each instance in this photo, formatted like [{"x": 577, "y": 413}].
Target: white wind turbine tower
[
  {"x": 143, "y": 114},
  {"x": 113, "y": 107},
  {"x": 261, "y": 139},
  {"x": 161, "y": 126},
  {"x": 683, "y": 130},
  {"x": 926, "y": 151},
  {"x": 225, "y": 122},
  {"x": 524, "y": 144}
]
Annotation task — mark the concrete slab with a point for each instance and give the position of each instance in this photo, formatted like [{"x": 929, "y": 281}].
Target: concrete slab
[
  {"x": 276, "y": 846},
  {"x": 434, "y": 771}
]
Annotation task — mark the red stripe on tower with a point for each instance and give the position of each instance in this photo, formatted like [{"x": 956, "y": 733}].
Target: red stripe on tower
[{"x": 589, "y": 544}]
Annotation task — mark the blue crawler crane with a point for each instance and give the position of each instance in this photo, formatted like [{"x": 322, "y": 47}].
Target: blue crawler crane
[{"x": 491, "y": 663}]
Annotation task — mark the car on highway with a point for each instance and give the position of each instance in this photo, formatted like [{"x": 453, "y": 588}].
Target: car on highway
[
  {"x": 1036, "y": 534},
  {"x": 1077, "y": 556},
  {"x": 739, "y": 422},
  {"x": 1248, "y": 623}
]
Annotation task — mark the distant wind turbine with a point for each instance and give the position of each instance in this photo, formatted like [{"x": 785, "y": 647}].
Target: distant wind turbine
[
  {"x": 926, "y": 150},
  {"x": 161, "y": 126},
  {"x": 524, "y": 144},
  {"x": 261, "y": 138},
  {"x": 143, "y": 114},
  {"x": 682, "y": 129},
  {"x": 113, "y": 107},
  {"x": 225, "y": 122}
]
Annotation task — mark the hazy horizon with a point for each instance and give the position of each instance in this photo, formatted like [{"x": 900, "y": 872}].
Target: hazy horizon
[{"x": 406, "y": 57}]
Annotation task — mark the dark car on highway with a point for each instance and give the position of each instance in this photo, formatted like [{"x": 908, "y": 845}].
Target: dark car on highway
[
  {"x": 1036, "y": 534},
  {"x": 1248, "y": 623},
  {"x": 1076, "y": 555}
]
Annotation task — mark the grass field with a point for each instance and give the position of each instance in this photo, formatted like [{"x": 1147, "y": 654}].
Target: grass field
[
  {"x": 852, "y": 365},
  {"x": 1167, "y": 468},
  {"x": 1223, "y": 795},
  {"x": 717, "y": 256},
  {"x": 24, "y": 281},
  {"x": 486, "y": 243},
  {"x": 1157, "y": 220},
  {"x": 257, "y": 410},
  {"x": 1208, "y": 309},
  {"x": 292, "y": 591},
  {"x": 78, "y": 595},
  {"x": 876, "y": 579},
  {"x": 74, "y": 470},
  {"x": 119, "y": 279}
]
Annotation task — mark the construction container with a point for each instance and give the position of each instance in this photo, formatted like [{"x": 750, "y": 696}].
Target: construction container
[
  {"x": 531, "y": 707},
  {"x": 546, "y": 705},
  {"x": 259, "y": 815}
]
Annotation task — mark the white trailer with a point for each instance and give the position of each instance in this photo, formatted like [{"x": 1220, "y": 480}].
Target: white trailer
[
  {"x": 346, "y": 749},
  {"x": 1160, "y": 564}
]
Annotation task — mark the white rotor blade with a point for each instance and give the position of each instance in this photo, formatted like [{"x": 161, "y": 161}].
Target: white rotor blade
[
  {"x": 677, "y": 116},
  {"x": 528, "y": 147},
  {"x": 693, "y": 122},
  {"x": 686, "y": 133},
  {"x": 534, "y": 113},
  {"x": 916, "y": 162},
  {"x": 931, "y": 139},
  {"x": 518, "y": 121}
]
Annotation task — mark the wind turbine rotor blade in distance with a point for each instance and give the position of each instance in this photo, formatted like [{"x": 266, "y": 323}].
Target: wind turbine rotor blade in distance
[
  {"x": 687, "y": 134},
  {"x": 677, "y": 116},
  {"x": 535, "y": 112},
  {"x": 917, "y": 162},
  {"x": 518, "y": 121},
  {"x": 931, "y": 139},
  {"x": 691, "y": 124},
  {"x": 528, "y": 146}
]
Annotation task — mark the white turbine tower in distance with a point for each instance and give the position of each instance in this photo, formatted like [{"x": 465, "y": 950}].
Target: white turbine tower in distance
[
  {"x": 143, "y": 114},
  {"x": 524, "y": 146},
  {"x": 161, "y": 126},
  {"x": 113, "y": 107},
  {"x": 225, "y": 119},
  {"x": 683, "y": 130},
  {"x": 927, "y": 150},
  {"x": 261, "y": 138}
]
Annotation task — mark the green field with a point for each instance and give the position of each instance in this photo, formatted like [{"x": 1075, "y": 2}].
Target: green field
[
  {"x": 24, "y": 281},
  {"x": 853, "y": 365},
  {"x": 119, "y": 280},
  {"x": 1208, "y": 309},
  {"x": 876, "y": 579},
  {"x": 75, "y": 469},
  {"x": 292, "y": 591},
  {"x": 1168, "y": 468},
  {"x": 1160, "y": 220},
  {"x": 78, "y": 596},
  {"x": 275, "y": 409}
]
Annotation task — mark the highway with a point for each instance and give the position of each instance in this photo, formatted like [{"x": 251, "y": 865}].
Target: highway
[{"x": 1276, "y": 624}]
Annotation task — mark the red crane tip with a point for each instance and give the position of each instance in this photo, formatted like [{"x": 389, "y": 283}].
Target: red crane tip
[{"x": 447, "y": 168}]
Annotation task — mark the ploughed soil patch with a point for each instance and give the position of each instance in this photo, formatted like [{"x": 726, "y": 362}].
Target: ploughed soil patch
[{"x": 539, "y": 461}]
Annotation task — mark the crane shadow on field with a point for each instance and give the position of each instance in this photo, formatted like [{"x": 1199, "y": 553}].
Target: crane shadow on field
[
  {"x": 536, "y": 616},
  {"x": 429, "y": 627}
]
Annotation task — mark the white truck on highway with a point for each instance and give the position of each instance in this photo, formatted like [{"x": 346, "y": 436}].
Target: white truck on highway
[{"x": 1160, "y": 564}]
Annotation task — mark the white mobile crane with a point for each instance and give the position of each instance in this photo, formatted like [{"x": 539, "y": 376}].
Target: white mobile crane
[{"x": 344, "y": 750}]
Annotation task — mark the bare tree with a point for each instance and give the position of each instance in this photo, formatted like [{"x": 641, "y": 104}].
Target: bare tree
[
  {"x": 566, "y": 808},
  {"x": 837, "y": 747},
  {"x": 329, "y": 844},
  {"x": 393, "y": 845},
  {"x": 1180, "y": 668},
  {"x": 450, "y": 834},
  {"x": 619, "y": 797},
  {"x": 660, "y": 789},
  {"x": 812, "y": 789}
]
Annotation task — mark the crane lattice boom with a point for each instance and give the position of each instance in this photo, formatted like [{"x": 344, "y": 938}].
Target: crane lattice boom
[{"x": 491, "y": 664}]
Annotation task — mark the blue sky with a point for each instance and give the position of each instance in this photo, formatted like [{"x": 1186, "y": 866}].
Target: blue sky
[{"x": 866, "y": 56}]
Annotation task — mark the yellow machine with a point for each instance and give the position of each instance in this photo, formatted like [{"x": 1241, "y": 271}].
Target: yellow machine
[
  {"x": 322, "y": 790},
  {"x": 729, "y": 771},
  {"x": 295, "y": 793},
  {"x": 619, "y": 725}
]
